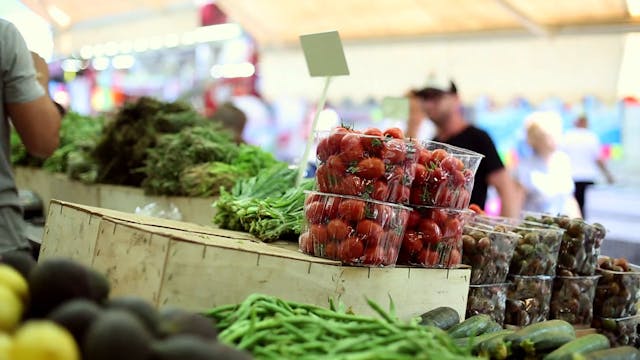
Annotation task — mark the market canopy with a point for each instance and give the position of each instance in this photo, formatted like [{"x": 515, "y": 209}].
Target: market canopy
[{"x": 274, "y": 22}]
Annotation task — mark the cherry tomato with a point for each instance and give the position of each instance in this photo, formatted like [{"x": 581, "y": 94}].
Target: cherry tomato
[
  {"x": 419, "y": 196},
  {"x": 412, "y": 242},
  {"x": 431, "y": 233},
  {"x": 454, "y": 258},
  {"x": 435, "y": 176},
  {"x": 323, "y": 151},
  {"x": 380, "y": 213},
  {"x": 404, "y": 257},
  {"x": 331, "y": 250},
  {"x": 318, "y": 234},
  {"x": 380, "y": 191},
  {"x": 390, "y": 257},
  {"x": 424, "y": 157},
  {"x": 420, "y": 176},
  {"x": 396, "y": 133},
  {"x": 463, "y": 199},
  {"x": 331, "y": 206},
  {"x": 351, "y": 185},
  {"x": 372, "y": 142},
  {"x": 453, "y": 227},
  {"x": 305, "y": 244},
  {"x": 337, "y": 230},
  {"x": 327, "y": 179},
  {"x": 393, "y": 151},
  {"x": 370, "y": 231},
  {"x": 449, "y": 164},
  {"x": 457, "y": 178},
  {"x": 440, "y": 216},
  {"x": 351, "y": 210},
  {"x": 311, "y": 198},
  {"x": 350, "y": 249},
  {"x": 459, "y": 164},
  {"x": 373, "y": 256},
  {"x": 438, "y": 155},
  {"x": 414, "y": 219},
  {"x": 371, "y": 168},
  {"x": 444, "y": 196},
  {"x": 468, "y": 175},
  {"x": 350, "y": 149},
  {"x": 336, "y": 138},
  {"x": 428, "y": 257},
  {"x": 476, "y": 209},
  {"x": 314, "y": 212},
  {"x": 335, "y": 163}
]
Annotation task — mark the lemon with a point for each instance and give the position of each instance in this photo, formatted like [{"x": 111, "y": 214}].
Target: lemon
[
  {"x": 11, "y": 309},
  {"x": 5, "y": 346},
  {"x": 12, "y": 279},
  {"x": 43, "y": 340}
]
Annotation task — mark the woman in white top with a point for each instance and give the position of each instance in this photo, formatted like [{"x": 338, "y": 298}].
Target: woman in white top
[{"x": 545, "y": 176}]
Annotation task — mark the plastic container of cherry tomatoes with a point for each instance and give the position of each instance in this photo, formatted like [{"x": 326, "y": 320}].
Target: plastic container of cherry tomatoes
[
  {"x": 444, "y": 175},
  {"x": 433, "y": 238},
  {"x": 372, "y": 164},
  {"x": 352, "y": 230}
]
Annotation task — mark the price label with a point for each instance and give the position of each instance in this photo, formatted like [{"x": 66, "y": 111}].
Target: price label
[{"x": 324, "y": 54}]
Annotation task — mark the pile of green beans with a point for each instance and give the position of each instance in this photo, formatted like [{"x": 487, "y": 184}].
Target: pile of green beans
[{"x": 271, "y": 328}]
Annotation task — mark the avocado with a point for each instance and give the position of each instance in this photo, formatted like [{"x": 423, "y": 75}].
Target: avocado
[
  {"x": 76, "y": 316},
  {"x": 56, "y": 280},
  {"x": 175, "y": 321},
  {"x": 22, "y": 261},
  {"x": 138, "y": 307},
  {"x": 117, "y": 334},
  {"x": 181, "y": 347}
]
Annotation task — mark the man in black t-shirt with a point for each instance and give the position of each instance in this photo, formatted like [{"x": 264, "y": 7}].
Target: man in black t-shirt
[{"x": 444, "y": 109}]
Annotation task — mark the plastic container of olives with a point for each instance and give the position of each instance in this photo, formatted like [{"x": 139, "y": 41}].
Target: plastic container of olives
[
  {"x": 580, "y": 247},
  {"x": 536, "y": 252},
  {"x": 617, "y": 294},
  {"x": 489, "y": 299},
  {"x": 528, "y": 300},
  {"x": 620, "y": 331},
  {"x": 488, "y": 250},
  {"x": 572, "y": 299}
]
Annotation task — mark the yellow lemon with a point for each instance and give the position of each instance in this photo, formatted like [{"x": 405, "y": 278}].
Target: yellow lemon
[
  {"x": 5, "y": 346},
  {"x": 12, "y": 279},
  {"x": 11, "y": 309},
  {"x": 43, "y": 340}
]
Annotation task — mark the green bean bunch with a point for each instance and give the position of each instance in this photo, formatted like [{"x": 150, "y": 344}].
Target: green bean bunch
[{"x": 271, "y": 328}]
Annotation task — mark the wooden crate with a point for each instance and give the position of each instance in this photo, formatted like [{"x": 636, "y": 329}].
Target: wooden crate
[{"x": 197, "y": 268}]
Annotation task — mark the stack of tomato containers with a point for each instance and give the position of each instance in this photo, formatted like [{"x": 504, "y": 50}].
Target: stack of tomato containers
[{"x": 384, "y": 199}]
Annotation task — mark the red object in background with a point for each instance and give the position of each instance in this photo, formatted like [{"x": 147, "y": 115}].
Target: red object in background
[
  {"x": 630, "y": 100},
  {"x": 210, "y": 14}
]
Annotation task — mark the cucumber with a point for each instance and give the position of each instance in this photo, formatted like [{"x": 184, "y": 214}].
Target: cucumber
[
  {"x": 495, "y": 347},
  {"x": 475, "y": 341},
  {"x": 619, "y": 353},
  {"x": 493, "y": 327},
  {"x": 443, "y": 317},
  {"x": 583, "y": 345},
  {"x": 475, "y": 325},
  {"x": 542, "y": 336}
]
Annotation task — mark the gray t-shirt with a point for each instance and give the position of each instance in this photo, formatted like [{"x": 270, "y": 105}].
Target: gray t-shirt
[{"x": 18, "y": 84}]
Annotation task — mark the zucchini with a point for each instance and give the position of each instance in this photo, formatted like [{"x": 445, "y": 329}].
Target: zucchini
[
  {"x": 442, "y": 317},
  {"x": 542, "y": 336},
  {"x": 493, "y": 327},
  {"x": 495, "y": 347},
  {"x": 475, "y": 341},
  {"x": 475, "y": 325},
  {"x": 619, "y": 353},
  {"x": 582, "y": 345}
]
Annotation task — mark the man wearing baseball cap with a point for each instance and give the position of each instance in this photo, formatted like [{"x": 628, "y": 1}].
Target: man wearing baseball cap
[{"x": 443, "y": 107}]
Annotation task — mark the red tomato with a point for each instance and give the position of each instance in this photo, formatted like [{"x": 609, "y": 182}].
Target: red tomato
[
  {"x": 438, "y": 155},
  {"x": 380, "y": 213},
  {"x": 476, "y": 209},
  {"x": 444, "y": 197},
  {"x": 424, "y": 157},
  {"x": 468, "y": 175},
  {"x": 350, "y": 249},
  {"x": 337, "y": 230},
  {"x": 350, "y": 149},
  {"x": 463, "y": 199},
  {"x": 412, "y": 242},
  {"x": 372, "y": 143},
  {"x": 369, "y": 231},
  {"x": 305, "y": 244},
  {"x": 440, "y": 216},
  {"x": 318, "y": 234},
  {"x": 419, "y": 196},
  {"x": 394, "y": 133},
  {"x": 431, "y": 233},
  {"x": 335, "y": 163},
  {"x": 429, "y": 257},
  {"x": 314, "y": 212},
  {"x": 371, "y": 168},
  {"x": 331, "y": 206},
  {"x": 457, "y": 178},
  {"x": 435, "y": 176},
  {"x": 453, "y": 227},
  {"x": 404, "y": 257},
  {"x": 311, "y": 198},
  {"x": 351, "y": 210},
  {"x": 459, "y": 165},
  {"x": 373, "y": 256},
  {"x": 335, "y": 139},
  {"x": 331, "y": 250},
  {"x": 327, "y": 179},
  {"x": 420, "y": 176},
  {"x": 351, "y": 185},
  {"x": 414, "y": 219},
  {"x": 449, "y": 164},
  {"x": 393, "y": 151},
  {"x": 454, "y": 258},
  {"x": 390, "y": 257},
  {"x": 380, "y": 191},
  {"x": 323, "y": 151}
]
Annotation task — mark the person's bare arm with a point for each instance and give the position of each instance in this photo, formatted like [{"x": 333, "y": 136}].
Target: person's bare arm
[
  {"x": 603, "y": 167},
  {"x": 38, "y": 121},
  {"x": 507, "y": 188},
  {"x": 415, "y": 116}
]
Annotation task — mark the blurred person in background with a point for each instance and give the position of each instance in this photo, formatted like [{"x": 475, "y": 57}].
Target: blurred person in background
[
  {"x": 544, "y": 176},
  {"x": 232, "y": 118},
  {"x": 583, "y": 147},
  {"x": 24, "y": 79},
  {"x": 444, "y": 108},
  {"x": 417, "y": 127}
]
